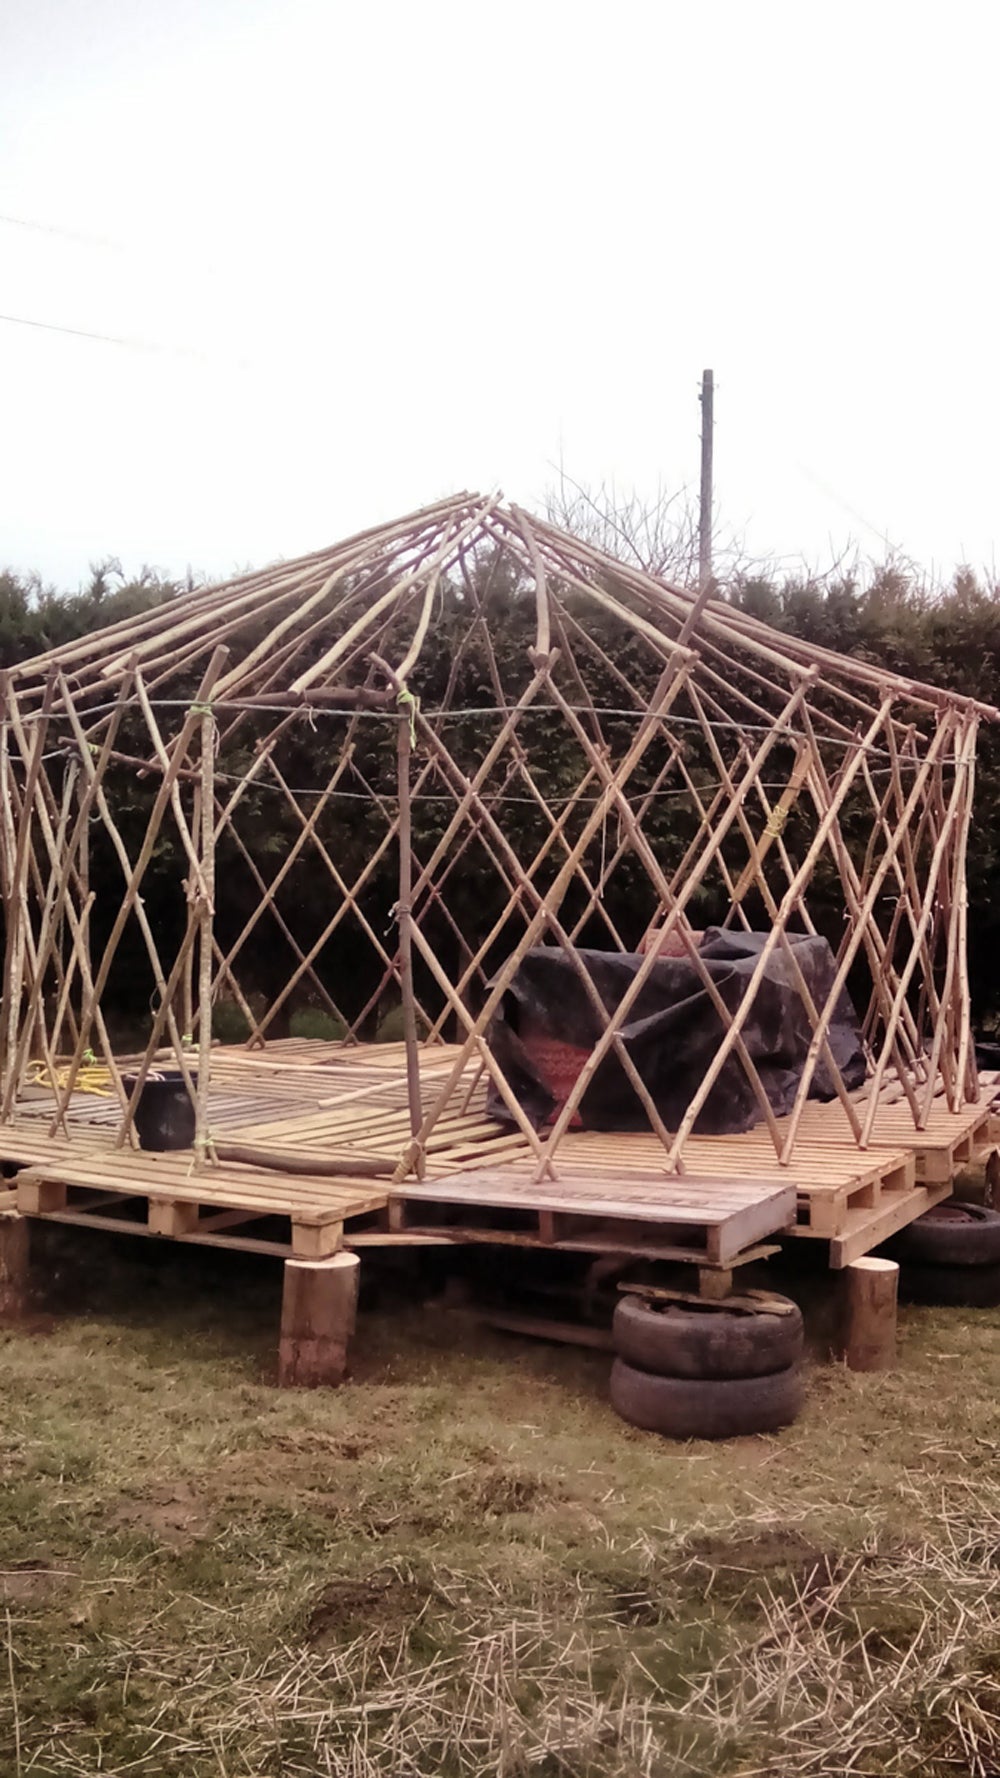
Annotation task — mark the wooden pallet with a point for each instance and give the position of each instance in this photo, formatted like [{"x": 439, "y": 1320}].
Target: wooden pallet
[
  {"x": 829, "y": 1184},
  {"x": 287, "y": 1107},
  {"x": 861, "y": 1229},
  {"x": 710, "y": 1221},
  {"x": 949, "y": 1140},
  {"x": 162, "y": 1194}
]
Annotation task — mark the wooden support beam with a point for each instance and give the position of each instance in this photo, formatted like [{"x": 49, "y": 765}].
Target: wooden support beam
[
  {"x": 14, "y": 1261},
  {"x": 316, "y": 1240},
  {"x": 317, "y": 1320},
  {"x": 36, "y": 1196},
  {"x": 714, "y": 1282},
  {"x": 541, "y": 1327},
  {"x": 172, "y": 1217},
  {"x": 869, "y": 1326}
]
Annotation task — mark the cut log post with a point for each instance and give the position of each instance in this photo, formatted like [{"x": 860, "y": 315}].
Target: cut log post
[
  {"x": 869, "y": 1325},
  {"x": 13, "y": 1266},
  {"x": 317, "y": 1320}
]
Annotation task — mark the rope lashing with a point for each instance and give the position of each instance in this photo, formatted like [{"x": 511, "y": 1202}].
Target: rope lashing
[{"x": 406, "y": 701}]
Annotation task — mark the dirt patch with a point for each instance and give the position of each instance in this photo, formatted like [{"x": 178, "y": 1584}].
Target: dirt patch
[
  {"x": 504, "y": 1491},
  {"x": 321, "y": 1444},
  {"x": 343, "y": 1609},
  {"x": 780, "y": 1561},
  {"x": 174, "y": 1513},
  {"x": 31, "y": 1583}
]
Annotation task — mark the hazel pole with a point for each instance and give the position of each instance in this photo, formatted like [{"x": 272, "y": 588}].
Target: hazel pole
[
  {"x": 206, "y": 891},
  {"x": 854, "y": 892},
  {"x": 671, "y": 682},
  {"x": 967, "y": 744},
  {"x": 802, "y": 876},
  {"x": 756, "y": 868},
  {"x": 675, "y": 920},
  {"x": 670, "y": 686},
  {"x": 78, "y": 926},
  {"x": 132, "y": 901},
  {"x": 404, "y": 913},
  {"x": 862, "y": 920}
]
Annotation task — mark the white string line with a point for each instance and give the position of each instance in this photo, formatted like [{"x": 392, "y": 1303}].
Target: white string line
[{"x": 312, "y": 711}]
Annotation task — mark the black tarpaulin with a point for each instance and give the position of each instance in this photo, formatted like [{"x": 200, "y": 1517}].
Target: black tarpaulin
[{"x": 546, "y": 1026}]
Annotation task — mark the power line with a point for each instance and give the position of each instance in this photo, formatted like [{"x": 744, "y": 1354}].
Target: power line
[
  {"x": 114, "y": 339},
  {"x": 68, "y": 234}
]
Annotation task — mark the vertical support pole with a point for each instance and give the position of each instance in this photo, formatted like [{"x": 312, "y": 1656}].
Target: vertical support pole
[
  {"x": 207, "y": 892},
  {"x": 967, "y": 1082},
  {"x": 8, "y": 1029},
  {"x": 404, "y": 915},
  {"x": 707, "y": 399},
  {"x": 318, "y": 1310},
  {"x": 869, "y": 1325},
  {"x": 187, "y": 976},
  {"x": 13, "y": 1265}
]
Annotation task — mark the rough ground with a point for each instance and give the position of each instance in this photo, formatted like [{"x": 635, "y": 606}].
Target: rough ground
[{"x": 462, "y": 1563}]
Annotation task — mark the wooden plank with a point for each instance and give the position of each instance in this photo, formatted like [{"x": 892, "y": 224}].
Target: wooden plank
[
  {"x": 862, "y": 1230},
  {"x": 578, "y": 1191},
  {"x": 119, "y": 1226},
  {"x": 647, "y": 1242},
  {"x": 541, "y": 1327},
  {"x": 749, "y": 1302}
]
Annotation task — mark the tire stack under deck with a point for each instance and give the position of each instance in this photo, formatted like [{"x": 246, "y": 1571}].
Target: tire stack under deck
[{"x": 691, "y": 1369}]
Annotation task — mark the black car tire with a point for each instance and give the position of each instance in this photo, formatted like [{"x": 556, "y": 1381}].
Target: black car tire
[
  {"x": 728, "y": 1407},
  {"x": 682, "y": 1340},
  {"x": 959, "y": 1287},
  {"x": 951, "y": 1234}
]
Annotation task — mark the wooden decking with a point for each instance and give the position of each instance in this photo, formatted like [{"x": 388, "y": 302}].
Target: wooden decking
[{"x": 288, "y": 1110}]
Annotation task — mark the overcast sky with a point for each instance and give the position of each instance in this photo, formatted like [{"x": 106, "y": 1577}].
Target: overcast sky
[{"x": 376, "y": 253}]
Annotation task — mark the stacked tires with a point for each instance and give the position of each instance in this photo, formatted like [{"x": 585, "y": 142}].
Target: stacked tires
[
  {"x": 950, "y": 1255},
  {"x": 712, "y": 1371}
]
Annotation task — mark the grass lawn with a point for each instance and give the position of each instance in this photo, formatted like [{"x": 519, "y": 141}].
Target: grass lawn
[{"x": 463, "y": 1563}]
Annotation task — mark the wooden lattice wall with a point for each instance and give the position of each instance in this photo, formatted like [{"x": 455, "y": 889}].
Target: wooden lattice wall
[{"x": 515, "y": 795}]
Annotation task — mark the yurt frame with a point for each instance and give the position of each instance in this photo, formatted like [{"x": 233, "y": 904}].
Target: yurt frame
[{"x": 342, "y": 635}]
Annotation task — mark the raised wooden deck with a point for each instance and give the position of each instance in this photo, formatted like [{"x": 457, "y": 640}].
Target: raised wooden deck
[{"x": 290, "y": 1108}]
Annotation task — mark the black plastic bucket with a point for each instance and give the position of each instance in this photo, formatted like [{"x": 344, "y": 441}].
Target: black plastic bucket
[{"x": 164, "y": 1113}]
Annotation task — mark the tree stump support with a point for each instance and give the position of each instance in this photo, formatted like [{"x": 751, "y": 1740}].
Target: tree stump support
[
  {"x": 14, "y": 1259},
  {"x": 318, "y": 1311},
  {"x": 869, "y": 1325}
]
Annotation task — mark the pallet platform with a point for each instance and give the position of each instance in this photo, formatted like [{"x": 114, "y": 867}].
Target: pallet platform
[
  {"x": 162, "y": 1194},
  {"x": 299, "y": 1105}
]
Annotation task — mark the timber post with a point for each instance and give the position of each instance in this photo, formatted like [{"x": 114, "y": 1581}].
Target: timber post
[
  {"x": 869, "y": 1325},
  {"x": 14, "y": 1262},
  {"x": 318, "y": 1310}
]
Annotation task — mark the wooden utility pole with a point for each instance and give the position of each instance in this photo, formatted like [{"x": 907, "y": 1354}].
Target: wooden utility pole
[{"x": 707, "y": 399}]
